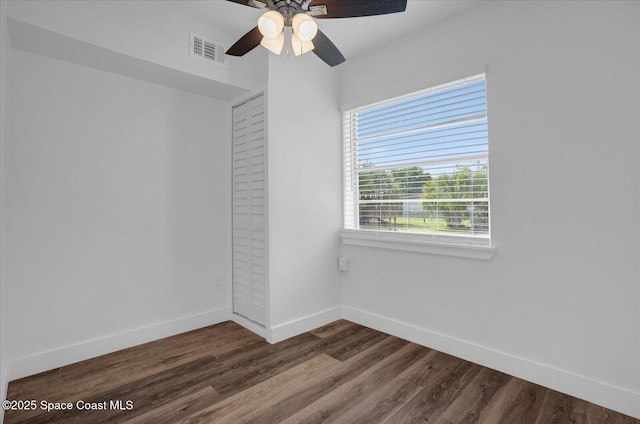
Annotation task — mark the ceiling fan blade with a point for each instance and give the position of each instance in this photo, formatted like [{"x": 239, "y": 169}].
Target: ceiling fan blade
[
  {"x": 246, "y": 43},
  {"x": 356, "y": 8},
  {"x": 260, "y": 4},
  {"x": 326, "y": 50}
]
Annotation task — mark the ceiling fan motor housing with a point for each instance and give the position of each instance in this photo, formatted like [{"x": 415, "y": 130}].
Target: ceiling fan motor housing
[{"x": 290, "y": 8}]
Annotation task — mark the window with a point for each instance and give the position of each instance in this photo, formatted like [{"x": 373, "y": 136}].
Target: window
[{"x": 419, "y": 165}]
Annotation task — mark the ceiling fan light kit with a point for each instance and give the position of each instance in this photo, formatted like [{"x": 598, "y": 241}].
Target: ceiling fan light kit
[
  {"x": 300, "y": 47},
  {"x": 296, "y": 17},
  {"x": 271, "y": 24},
  {"x": 274, "y": 45},
  {"x": 304, "y": 27}
]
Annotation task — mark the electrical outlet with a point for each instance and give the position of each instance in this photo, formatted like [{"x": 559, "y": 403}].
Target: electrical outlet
[{"x": 343, "y": 264}]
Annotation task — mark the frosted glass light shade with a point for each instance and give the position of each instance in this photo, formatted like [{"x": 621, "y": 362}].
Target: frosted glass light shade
[
  {"x": 304, "y": 27},
  {"x": 274, "y": 44},
  {"x": 271, "y": 24},
  {"x": 300, "y": 47}
]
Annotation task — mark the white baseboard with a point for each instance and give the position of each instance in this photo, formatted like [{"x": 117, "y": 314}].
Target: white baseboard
[
  {"x": 310, "y": 322},
  {"x": 598, "y": 392},
  {"x": 44, "y": 361}
]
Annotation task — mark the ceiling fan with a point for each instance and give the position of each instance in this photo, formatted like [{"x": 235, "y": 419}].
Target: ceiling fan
[{"x": 295, "y": 18}]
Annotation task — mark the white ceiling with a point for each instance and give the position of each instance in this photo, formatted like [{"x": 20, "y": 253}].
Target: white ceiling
[{"x": 351, "y": 35}]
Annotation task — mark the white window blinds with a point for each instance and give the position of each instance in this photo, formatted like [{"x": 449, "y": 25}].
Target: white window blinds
[{"x": 419, "y": 163}]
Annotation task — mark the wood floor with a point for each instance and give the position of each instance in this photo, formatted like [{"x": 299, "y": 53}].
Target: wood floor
[{"x": 340, "y": 373}]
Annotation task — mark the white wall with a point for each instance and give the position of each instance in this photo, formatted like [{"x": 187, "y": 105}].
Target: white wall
[
  {"x": 304, "y": 167},
  {"x": 559, "y": 302},
  {"x": 114, "y": 232}
]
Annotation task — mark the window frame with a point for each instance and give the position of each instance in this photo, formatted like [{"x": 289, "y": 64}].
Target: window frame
[{"x": 460, "y": 245}]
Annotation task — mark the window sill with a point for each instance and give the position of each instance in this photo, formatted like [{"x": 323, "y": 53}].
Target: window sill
[{"x": 465, "y": 247}]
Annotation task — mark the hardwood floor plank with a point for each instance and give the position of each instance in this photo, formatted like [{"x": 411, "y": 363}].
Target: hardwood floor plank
[
  {"x": 332, "y": 407},
  {"x": 179, "y": 409},
  {"x": 349, "y": 370},
  {"x": 332, "y": 329},
  {"x": 474, "y": 397},
  {"x": 330, "y": 381},
  {"x": 516, "y": 400},
  {"x": 146, "y": 394},
  {"x": 423, "y": 375},
  {"x": 101, "y": 373},
  {"x": 182, "y": 350},
  {"x": 168, "y": 387},
  {"x": 269, "y": 362},
  {"x": 600, "y": 415},
  {"x": 352, "y": 341},
  {"x": 436, "y": 396},
  {"x": 560, "y": 408},
  {"x": 171, "y": 384},
  {"x": 555, "y": 409},
  {"x": 389, "y": 397},
  {"x": 250, "y": 404}
]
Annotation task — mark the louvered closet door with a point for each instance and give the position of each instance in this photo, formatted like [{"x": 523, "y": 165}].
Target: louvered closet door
[{"x": 249, "y": 211}]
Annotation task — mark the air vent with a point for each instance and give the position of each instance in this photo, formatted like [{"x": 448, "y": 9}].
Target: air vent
[{"x": 206, "y": 49}]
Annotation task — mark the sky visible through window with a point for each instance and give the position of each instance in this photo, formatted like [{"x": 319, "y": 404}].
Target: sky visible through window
[{"x": 431, "y": 129}]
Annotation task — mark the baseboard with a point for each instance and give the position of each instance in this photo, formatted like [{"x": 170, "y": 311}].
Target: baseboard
[
  {"x": 598, "y": 392},
  {"x": 310, "y": 322},
  {"x": 66, "y": 355}
]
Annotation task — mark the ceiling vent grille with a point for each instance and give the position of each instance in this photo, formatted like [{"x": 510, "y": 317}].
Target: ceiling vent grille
[{"x": 206, "y": 49}]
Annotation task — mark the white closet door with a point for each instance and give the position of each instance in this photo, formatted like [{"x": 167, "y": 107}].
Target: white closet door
[{"x": 249, "y": 211}]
